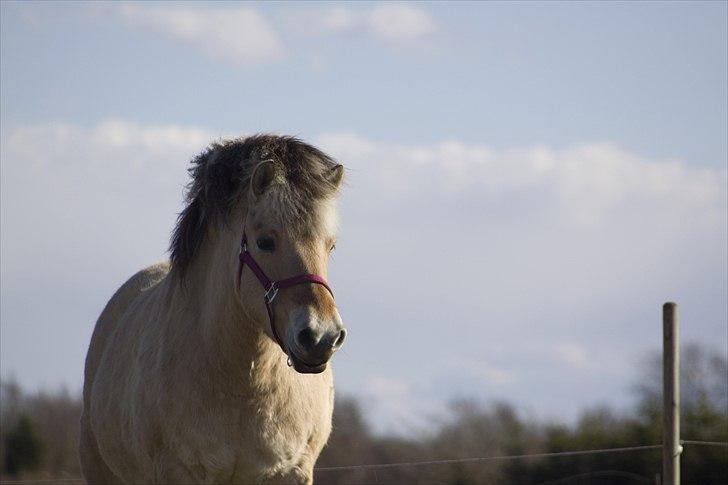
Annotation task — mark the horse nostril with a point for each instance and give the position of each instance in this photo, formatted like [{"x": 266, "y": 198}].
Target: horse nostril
[
  {"x": 305, "y": 338},
  {"x": 340, "y": 339}
]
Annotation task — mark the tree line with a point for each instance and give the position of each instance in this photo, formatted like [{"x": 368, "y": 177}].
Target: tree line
[{"x": 39, "y": 436}]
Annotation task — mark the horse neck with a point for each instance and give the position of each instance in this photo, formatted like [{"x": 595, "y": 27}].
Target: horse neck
[{"x": 227, "y": 341}]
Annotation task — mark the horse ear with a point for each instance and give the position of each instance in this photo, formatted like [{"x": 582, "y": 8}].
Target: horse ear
[
  {"x": 263, "y": 175},
  {"x": 335, "y": 176}
]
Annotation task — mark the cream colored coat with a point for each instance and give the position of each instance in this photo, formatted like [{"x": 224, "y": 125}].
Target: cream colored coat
[{"x": 182, "y": 387}]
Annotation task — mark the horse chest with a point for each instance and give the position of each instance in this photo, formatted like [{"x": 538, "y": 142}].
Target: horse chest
[
  {"x": 286, "y": 430},
  {"x": 267, "y": 435}
]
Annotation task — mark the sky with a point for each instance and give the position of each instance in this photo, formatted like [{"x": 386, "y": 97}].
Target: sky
[{"x": 527, "y": 183}]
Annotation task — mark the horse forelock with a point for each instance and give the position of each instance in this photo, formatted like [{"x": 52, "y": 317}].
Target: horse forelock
[{"x": 220, "y": 179}]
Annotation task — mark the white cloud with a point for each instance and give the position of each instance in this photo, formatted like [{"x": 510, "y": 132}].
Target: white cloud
[
  {"x": 244, "y": 35},
  {"x": 240, "y": 35},
  {"x": 400, "y": 22},
  {"x": 338, "y": 19},
  {"x": 389, "y": 22},
  {"x": 82, "y": 208},
  {"x": 75, "y": 195},
  {"x": 549, "y": 261},
  {"x": 574, "y": 355},
  {"x": 399, "y": 407},
  {"x": 484, "y": 371},
  {"x": 390, "y": 400},
  {"x": 387, "y": 388},
  {"x": 113, "y": 150},
  {"x": 583, "y": 181}
]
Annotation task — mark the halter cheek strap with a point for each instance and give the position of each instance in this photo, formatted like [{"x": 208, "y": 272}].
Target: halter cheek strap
[{"x": 271, "y": 287}]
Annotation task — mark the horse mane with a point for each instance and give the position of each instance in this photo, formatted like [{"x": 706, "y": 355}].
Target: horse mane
[{"x": 221, "y": 176}]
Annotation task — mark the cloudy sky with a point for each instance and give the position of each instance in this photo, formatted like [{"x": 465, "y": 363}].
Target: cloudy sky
[{"x": 527, "y": 183}]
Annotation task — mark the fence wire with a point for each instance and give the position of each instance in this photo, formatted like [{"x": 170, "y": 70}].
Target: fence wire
[
  {"x": 704, "y": 443},
  {"x": 45, "y": 480},
  {"x": 440, "y": 462},
  {"x": 487, "y": 458}
]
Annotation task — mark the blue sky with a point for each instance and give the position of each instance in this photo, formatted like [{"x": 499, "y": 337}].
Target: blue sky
[{"x": 532, "y": 179}]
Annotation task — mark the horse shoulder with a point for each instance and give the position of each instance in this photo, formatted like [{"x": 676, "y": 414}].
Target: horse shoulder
[
  {"x": 108, "y": 377},
  {"x": 110, "y": 316}
]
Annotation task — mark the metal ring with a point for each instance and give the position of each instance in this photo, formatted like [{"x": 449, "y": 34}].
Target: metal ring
[{"x": 271, "y": 293}]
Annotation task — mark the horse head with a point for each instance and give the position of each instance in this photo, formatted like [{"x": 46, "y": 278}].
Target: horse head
[
  {"x": 286, "y": 240},
  {"x": 262, "y": 210}
]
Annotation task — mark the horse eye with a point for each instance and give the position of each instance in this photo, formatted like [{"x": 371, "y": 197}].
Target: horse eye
[{"x": 266, "y": 243}]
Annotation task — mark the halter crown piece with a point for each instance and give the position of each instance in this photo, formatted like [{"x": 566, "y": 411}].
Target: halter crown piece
[{"x": 271, "y": 287}]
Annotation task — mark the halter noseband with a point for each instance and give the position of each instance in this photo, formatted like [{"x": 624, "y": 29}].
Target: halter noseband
[{"x": 271, "y": 287}]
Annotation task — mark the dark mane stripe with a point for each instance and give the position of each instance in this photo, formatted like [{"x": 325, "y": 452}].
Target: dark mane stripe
[{"x": 221, "y": 176}]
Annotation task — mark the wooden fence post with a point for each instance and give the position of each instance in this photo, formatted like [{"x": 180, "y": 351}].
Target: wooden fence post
[{"x": 670, "y": 396}]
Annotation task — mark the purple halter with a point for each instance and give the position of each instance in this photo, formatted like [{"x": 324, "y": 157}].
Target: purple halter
[{"x": 271, "y": 287}]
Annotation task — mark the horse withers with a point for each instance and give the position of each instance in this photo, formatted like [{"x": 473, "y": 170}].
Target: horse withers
[{"x": 214, "y": 367}]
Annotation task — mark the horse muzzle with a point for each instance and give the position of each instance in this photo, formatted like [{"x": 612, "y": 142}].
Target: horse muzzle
[{"x": 313, "y": 346}]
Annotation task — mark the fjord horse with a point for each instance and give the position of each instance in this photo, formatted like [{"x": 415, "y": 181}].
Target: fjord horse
[{"x": 214, "y": 367}]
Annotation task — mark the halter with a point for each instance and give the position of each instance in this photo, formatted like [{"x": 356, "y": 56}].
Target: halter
[{"x": 271, "y": 287}]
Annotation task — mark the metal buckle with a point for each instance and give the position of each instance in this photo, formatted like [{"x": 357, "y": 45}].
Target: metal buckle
[{"x": 271, "y": 293}]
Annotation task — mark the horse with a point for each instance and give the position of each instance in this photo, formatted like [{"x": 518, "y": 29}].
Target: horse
[{"x": 214, "y": 366}]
